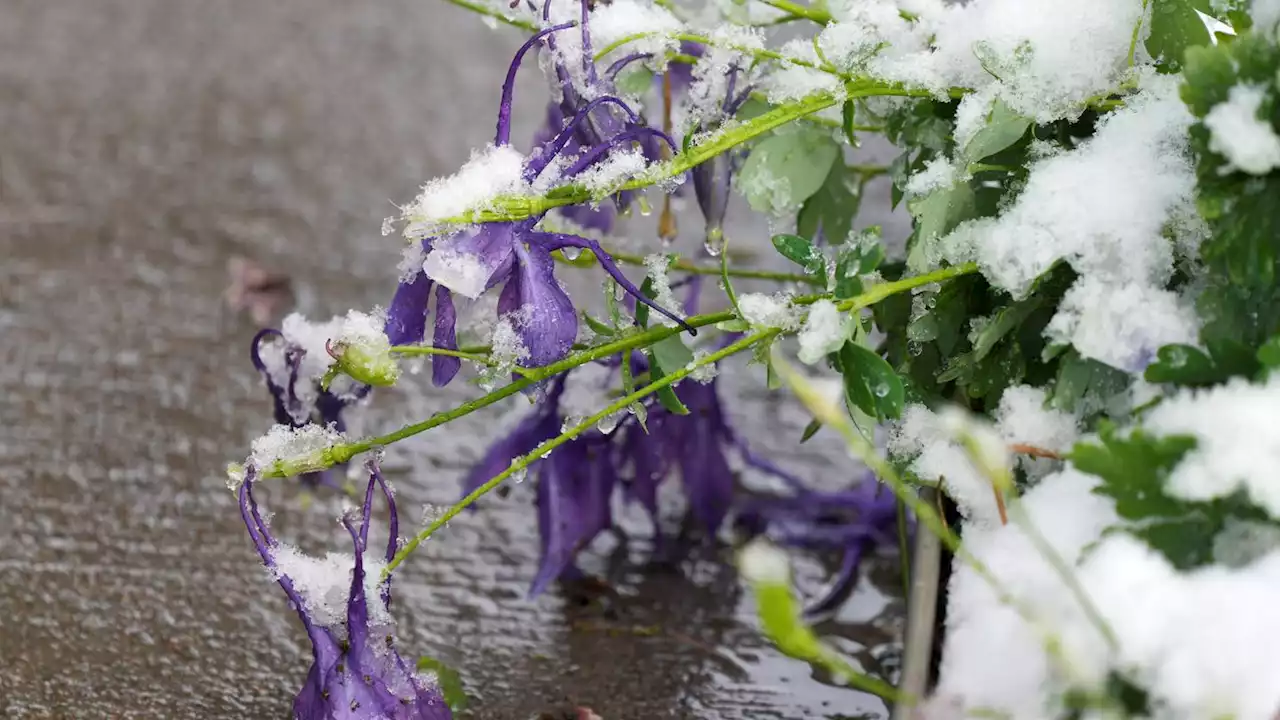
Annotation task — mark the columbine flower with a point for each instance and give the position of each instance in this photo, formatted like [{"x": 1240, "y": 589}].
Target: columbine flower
[
  {"x": 356, "y": 673},
  {"x": 516, "y": 254},
  {"x": 293, "y": 362},
  {"x": 852, "y": 522},
  {"x": 711, "y": 179}
]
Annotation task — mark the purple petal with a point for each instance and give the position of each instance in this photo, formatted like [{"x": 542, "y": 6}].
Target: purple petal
[
  {"x": 574, "y": 487},
  {"x": 555, "y": 241},
  {"x": 503, "y": 134},
  {"x": 407, "y": 314},
  {"x": 475, "y": 259},
  {"x": 540, "y": 425},
  {"x": 444, "y": 367},
  {"x": 541, "y": 313}
]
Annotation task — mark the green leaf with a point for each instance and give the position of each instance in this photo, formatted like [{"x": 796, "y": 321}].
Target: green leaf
[
  {"x": 449, "y": 680},
  {"x": 1269, "y": 353},
  {"x": 848, "y": 272},
  {"x": 937, "y": 214},
  {"x": 733, "y": 326},
  {"x": 665, "y": 357},
  {"x": 870, "y": 384},
  {"x": 671, "y": 354},
  {"x": 1185, "y": 365},
  {"x": 1134, "y": 471},
  {"x": 1004, "y": 127},
  {"x": 1085, "y": 386},
  {"x": 801, "y": 252},
  {"x": 810, "y": 430},
  {"x": 847, "y": 113},
  {"x": 785, "y": 169},
  {"x": 832, "y": 208},
  {"x": 1175, "y": 27},
  {"x": 597, "y": 326}
]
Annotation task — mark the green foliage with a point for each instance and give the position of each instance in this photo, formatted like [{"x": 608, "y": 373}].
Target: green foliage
[
  {"x": 1134, "y": 471},
  {"x": 665, "y": 356},
  {"x": 856, "y": 258},
  {"x": 1185, "y": 365},
  {"x": 832, "y": 208},
  {"x": 801, "y": 252},
  {"x": 1085, "y": 386},
  {"x": 455, "y": 696},
  {"x": 1175, "y": 27},
  {"x": 1241, "y": 297},
  {"x": 787, "y": 168},
  {"x": 870, "y": 384},
  {"x": 1004, "y": 127}
]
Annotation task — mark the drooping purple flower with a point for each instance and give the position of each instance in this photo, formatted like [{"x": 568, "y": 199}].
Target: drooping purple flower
[
  {"x": 289, "y": 372},
  {"x": 852, "y": 523},
  {"x": 356, "y": 673},
  {"x": 514, "y": 254},
  {"x": 711, "y": 179}
]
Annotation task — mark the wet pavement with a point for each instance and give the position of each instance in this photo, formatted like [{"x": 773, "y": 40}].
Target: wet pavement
[{"x": 147, "y": 142}]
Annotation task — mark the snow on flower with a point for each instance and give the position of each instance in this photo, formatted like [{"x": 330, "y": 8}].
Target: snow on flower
[{"x": 343, "y": 603}]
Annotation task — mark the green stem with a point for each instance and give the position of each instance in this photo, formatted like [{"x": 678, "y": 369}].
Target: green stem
[
  {"x": 483, "y": 359},
  {"x": 342, "y": 452},
  {"x": 521, "y": 464},
  {"x": 495, "y": 14},
  {"x": 758, "y": 53},
  {"x": 681, "y": 265},
  {"x": 513, "y": 208},
  {"x": 800, "y": 11}
]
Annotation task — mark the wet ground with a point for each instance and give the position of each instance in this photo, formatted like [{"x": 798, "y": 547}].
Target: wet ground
[{"x": 144, "y": 143}]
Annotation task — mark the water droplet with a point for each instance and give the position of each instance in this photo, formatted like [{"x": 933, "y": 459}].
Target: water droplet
[
  {"x": 571, "y": 253},
  {"x": 714, "y": 243},
  {"x": 881, "y": 390},
  {"x": 1177, "y": 357},
  {"x": 930, "y": 302},
  {"x": 915, "y": 348},
  {"x": 608, "y": 423},
  {"x": 519, "y": 475},
  {"x": 642, "y": 203},
  {"x": 571, "y": 422}
]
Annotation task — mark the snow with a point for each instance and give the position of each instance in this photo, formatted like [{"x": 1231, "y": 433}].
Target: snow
[
  {"x": 1044, "y": 57},
  {"x": 1122, "y": 325},
  {"x": 461, "y": 272},
  {"x": 506, "y": 349},
  {"x": 1238, "y": 441},
  {"x": 702, "y": 373},
  {"x": 939, "y": 458},
  {"x": 283, "y": 443},
  {"x": 1102, "y": 206},
  {"x": 325, "y": 584},
  {"x": 662, "y": 295},
  {"x": 792, "y": 82},
  {"x": 769, "y": 311},
  {"x": 412, "y": 259},
  {"x": 992, "y": 657},
  {"x": 763, "y": 563},
  {"x": 618, "y": 167},
  {"x": 938, "y": 172},
  {"x": 825, "y": 331},
  {"x": 609, "y": 23},
  {"x": 491, "y": 172},
  {"x": 1248, "y": 142},
  {"x": 1023, "y": 419},
  {"x": 359, "y": 328}
]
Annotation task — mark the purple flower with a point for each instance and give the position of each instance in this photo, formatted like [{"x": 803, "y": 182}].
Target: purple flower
[
  {"x": 514, "y": 254},
  {"x": 576, "y": 482},
  {"x": 852, "y": 522},
  {"x": 356, "y": 673},
  {"x": 288, "y": 368},
  {"x": 711, "y": 179}
]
